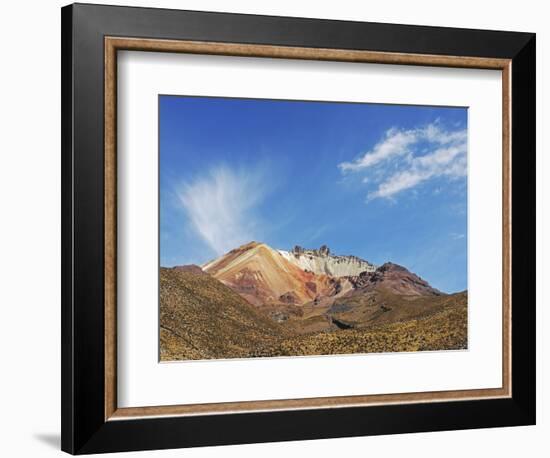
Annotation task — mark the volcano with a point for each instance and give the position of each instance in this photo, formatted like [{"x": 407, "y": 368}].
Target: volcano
[{"x": 256, "y": 300}]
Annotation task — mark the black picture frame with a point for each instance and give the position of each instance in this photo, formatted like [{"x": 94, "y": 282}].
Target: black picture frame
[{"x": 84, "y": 428}]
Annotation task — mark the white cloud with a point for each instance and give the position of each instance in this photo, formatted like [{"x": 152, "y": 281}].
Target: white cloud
[
  {"x": 444, "y": 155},
  {"x": 397, "y": 183},
  {"x": 221, "y": 206},
  {"x": 395, "y": 143}
]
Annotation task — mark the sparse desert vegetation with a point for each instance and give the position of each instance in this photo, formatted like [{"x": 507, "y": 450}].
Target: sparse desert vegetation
[
  {"x": 388, "y": 309},
  {"x": 442, "y": 330}
]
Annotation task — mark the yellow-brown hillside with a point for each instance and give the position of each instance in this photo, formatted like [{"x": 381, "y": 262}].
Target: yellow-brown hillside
[{"x": 201, "y": 318}]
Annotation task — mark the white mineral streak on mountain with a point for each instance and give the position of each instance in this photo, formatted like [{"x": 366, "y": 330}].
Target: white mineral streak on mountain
[{"x": 322, "y": 262}]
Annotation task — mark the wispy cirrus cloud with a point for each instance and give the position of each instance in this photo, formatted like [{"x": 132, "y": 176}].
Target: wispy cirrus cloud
[
  {"x": 403, "y": 159},
  {"x": 221, "y": 205}
]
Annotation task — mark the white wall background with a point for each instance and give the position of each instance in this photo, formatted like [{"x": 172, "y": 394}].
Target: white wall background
[{"x": 30, "y": 226}]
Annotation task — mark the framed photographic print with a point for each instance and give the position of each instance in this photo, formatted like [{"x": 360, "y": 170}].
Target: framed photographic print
[{"x": 282, "y": 228}]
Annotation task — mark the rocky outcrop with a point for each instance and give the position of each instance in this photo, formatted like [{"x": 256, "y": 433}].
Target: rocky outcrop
[
  {"x": 322, "y": 262},
  {"x": 394, "y": 278},
  {"x": 289, "y": 298}
]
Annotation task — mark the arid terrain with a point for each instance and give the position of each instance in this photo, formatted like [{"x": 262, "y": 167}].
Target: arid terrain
[{"x": 256, "y": 301}]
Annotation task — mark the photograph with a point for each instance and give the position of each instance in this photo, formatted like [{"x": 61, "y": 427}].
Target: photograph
[
  {"x": 306, "y": 228},
  {"x": 275, "y": 229}
]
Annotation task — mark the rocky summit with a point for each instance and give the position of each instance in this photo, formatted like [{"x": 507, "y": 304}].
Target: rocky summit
[{"x": 321, "y": 261}]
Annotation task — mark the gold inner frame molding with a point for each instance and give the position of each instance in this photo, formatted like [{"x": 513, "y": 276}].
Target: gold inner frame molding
[{"x": 114, "y": 44}]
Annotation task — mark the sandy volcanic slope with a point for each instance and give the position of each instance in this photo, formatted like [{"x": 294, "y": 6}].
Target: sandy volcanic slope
[{"x": 262, "y": 275}]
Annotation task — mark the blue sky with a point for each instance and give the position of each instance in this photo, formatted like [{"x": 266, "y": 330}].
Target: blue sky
[{"x": 382, "y": 182}]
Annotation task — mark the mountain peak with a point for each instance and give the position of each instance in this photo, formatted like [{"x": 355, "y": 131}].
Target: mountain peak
[
  {"x": 397, "y": 279},
  {"x": 248, "y": 246},
  {"x": 262, "y": 275},
  {"x": 392, "y": 267},
  {"x": 322, "y": 262},
  {"x": 322, "y": 251}
]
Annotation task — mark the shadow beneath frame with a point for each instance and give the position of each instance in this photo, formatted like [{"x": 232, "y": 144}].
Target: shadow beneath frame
[{"x": 51, "y": 439}]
